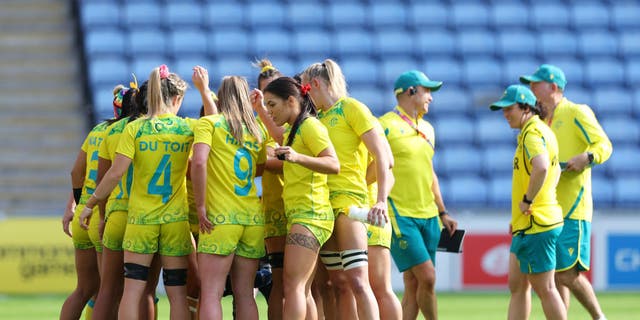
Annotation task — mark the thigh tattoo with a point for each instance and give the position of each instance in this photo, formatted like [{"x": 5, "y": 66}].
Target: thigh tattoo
[{"x": 302, "y": 240}]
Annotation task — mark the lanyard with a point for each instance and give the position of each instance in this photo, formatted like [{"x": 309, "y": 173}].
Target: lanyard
[{"x": 413, "y": 126}]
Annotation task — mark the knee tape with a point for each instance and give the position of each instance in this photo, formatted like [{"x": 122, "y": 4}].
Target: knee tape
[
  {"x": 276, "y": 259},
  {"x": 331, "y": 260},
  {"x": 136, "y": 271},
  {"x": 354, "y": 258},
  {"x": 174, "y": 277}
]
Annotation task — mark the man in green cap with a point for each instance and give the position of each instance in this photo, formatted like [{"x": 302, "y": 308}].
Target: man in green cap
[
  {"x": 415, "y": 202},
  {"x": 582, "y": 144},
  {"x": 536, "y": 216}
]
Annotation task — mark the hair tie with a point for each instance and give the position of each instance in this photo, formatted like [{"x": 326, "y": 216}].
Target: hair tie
[
  {"x": 266, "y": 68},
  {"x": 164, "y": 71},
  {"x": 304, "y": 89},
  {"x": 134, "y": 84},
  {"x": 117, "y": 101}
]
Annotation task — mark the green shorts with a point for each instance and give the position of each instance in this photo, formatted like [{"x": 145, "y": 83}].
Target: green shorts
[
  {"x": 574, "y": 245},
  {"x": 379, "y": 236},
  {"x": 114, "y": 229},
  {"x": 169, "y": 239},
  {"x": 275, "y": 224},
  {"x": 414, "y": 241},
  {"x": 80, "y": 236},
  {"x": 536, "y": 252},
  {"x": 225, "y": 239}
]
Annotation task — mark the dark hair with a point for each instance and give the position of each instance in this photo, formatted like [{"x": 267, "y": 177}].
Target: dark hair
[
  {"x": 536, "y": 109},
  {"x": 128, "y": 105},
  {"x": 140, "y": 100},
  {"x": 285, "y": 87},
  {"x": 267, "y": 70}
]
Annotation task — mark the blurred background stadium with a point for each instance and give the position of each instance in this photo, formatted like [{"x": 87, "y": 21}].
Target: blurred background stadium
[{"x": 61, "y": 59}]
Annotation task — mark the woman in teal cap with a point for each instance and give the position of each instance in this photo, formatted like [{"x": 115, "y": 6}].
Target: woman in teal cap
[{"x": 536, "y": 216}]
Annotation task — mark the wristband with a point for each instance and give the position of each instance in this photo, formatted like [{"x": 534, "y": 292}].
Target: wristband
[
  {"x": 442, "y": 213},
  {"x": 525, "y": 200},
  {"x": 77, "y": 193}
]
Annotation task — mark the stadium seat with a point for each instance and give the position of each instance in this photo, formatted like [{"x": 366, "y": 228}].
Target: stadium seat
[
  {"x": 183, "y": 65},
  {"x": 589, "y": 15},
  {"x": 498, "y": 159},
  {"x": 475, "y": 42},
  {"x": 580, "y": 95},
  {"x": 187, "y": 41},
  {"x": 485, "y": 70},
  {"x": 614, "y": 101},
  {"x": 435, "y": 42},
  {"x": 450, "y": 101},
  {"x": 505, "y": 15},
  {"x": 372, "y": 98},
  {"x": 602, "y": 191},
  {"x": 103, "y": 101},
  {"x": 602, "y": 71},
  {"x": 515, "y": 42},
  {"x": 229, "y": 42},
  {"x": 492, "y": 129},
  {"x": 184, "y": 14},
  {"x": 570, "y": 65},
  {"x": 467, "y": 190},
  {"x": 108, "y": 71},
  {"x": 513, "y": 68},
  {"x": 630, "y": 43},
  {"x": 191, "y": 104},
  {"x": 469, "y": 15},
  {"x": 597, "y": 43},
  {"x": 624, "y": 161},
  {"x": 557, "y": 42},
  {"x": 286, "y": 65},
  {"x": 423, "y": 16},
  {"x": 389, "y": 42},
  {"x": 455, "y": 130},
  {"x": 360, "y": 70},
  {"x": 624, "y": 15},
  {"x": 391, "y": 68},
  {"x": 146, "y": 41},
  {"x": 142, "y": 14},
  {"x": 265, "y": 14},
  {"x": 99, "y": 14},
  {"x": 350, "y": 15},
  {"x": 383, "y": 14},
  {"x": 632, "y": 73},
  {"x": 272, "y": 42},
  {"x": 444, "y": 69},
  {"x": 353, "y": 41},
  {"x": 142, "y": 65},
  {"x": 231, "y": 65},
  {"x": 499, "y": 193},
  {"x": 104, "y": 42},
  {"x": 627, "y": 193},
  {"x": 549, "y": 14},
  {"x": 225, "y": 15},
  {"x": 305, "y": 14},
  {"x": 621, "y": 130}
]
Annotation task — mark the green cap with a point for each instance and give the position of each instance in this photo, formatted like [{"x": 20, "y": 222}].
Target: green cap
[
  {"x": 515, "y": 93},
  {"x": 548, "y": 73},
  {"x": 414, "y": 78}
]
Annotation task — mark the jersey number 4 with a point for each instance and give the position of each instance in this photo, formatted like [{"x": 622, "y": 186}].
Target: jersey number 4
[{"x": 164, "y": 189}]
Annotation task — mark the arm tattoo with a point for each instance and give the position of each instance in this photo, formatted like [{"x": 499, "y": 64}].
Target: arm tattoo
[{"x": 299, "y": 239}]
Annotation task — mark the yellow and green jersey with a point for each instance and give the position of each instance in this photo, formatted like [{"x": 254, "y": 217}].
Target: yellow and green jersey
[
  {"x": 119, "y": 197},
  {"x": 412, "y": 146},
  {"x": 91, "y": 147},
  {"x": 347, "y": 120},
  {"x": 231, "y": 168},
  {"x": 578, "y": 131},
  {"x": 272, "y": 186},
  {"x": 535, "y": 139},
  {"x": 306, "y": 192},
  {"x": 159, "y": 149}
]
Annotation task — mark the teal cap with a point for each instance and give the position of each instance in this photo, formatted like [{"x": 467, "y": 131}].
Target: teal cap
[
  {"x": 515, "y": 93},
  {"x": 547, "y": 73},
  {"x": 414, "y": 78}
]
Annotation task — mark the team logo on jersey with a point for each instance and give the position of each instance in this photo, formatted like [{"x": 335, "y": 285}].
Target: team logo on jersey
[{"x": 333, "y": 122}]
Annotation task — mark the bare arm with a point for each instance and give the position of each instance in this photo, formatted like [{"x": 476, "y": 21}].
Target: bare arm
[
  {"x": 78, "y": 170},
  {"x": 379, "y": 148},
  {"x": 326, "y": 162},
  {"x": 539, "y": 169},
  {"x": 447, "y": 221},
  {"x": 200, "y": 80},
  {"x": 199, "y": 182},
  {"x": 257, "y": 103}
]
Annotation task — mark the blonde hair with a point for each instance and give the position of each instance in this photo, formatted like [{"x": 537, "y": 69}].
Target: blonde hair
[
  {"x": 160, "y": 91},
  {"x": 234, "y": 104},
  {"x": 330, "y": 72},
  {"x": 267, "y": 70}
]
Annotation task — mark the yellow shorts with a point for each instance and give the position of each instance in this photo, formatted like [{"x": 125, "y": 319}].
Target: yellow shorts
[
  {"x": 321, "y": 229},
  {"x": 94, "y": 229},
  {"x": 341, "y": 201},
  {"x": 80, "y": 236},
  {"x": 169, "y": 239},
  {"x": 114, "y": 229},
  {"x": 225, "y": 239},
  {"x": 275, "y": 223},
  {"x": 377, "y": 236}
]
